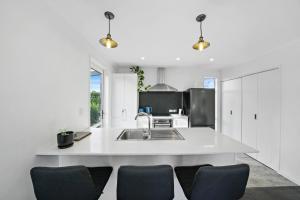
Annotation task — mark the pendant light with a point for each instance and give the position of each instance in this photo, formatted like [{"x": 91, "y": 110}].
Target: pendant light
[
  {"x": 201, "y": 44},
  {"x": 108, "y": 42}
]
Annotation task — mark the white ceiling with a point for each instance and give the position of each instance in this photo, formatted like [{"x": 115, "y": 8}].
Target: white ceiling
[{"x": 162, "y": 30}]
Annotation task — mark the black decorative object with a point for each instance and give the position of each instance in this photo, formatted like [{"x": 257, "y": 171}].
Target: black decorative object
[{"x": 65, "y": 139}]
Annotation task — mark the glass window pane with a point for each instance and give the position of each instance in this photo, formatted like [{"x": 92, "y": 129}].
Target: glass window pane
[
  {"x": 95, "y": 98},
  {"x": 209, "y": 83}
]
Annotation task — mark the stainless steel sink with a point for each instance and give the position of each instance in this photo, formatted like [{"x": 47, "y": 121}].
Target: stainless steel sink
[{"x": 156, "y": 134}]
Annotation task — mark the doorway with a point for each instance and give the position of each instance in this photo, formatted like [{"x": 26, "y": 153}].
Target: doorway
[{"x": 96, "y": 98}]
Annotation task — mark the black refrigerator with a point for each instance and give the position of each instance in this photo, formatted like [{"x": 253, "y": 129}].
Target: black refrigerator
[{"x": 199, "y": 105}]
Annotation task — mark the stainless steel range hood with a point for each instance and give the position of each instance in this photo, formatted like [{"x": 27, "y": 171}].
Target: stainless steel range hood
[{"x": 161, "y": 86}]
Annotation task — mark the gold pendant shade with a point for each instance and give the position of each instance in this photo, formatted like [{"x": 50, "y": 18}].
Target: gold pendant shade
[
  {"x": 108, "y": 42},
  {"x": 201, "y": 44}
]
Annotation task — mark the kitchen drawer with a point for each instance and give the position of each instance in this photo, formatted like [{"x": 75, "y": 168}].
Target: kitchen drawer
[{"x": 180, "y": 123}]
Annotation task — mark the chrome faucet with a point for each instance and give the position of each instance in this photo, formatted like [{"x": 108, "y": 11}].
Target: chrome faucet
[{"x": 149, "y": 120}]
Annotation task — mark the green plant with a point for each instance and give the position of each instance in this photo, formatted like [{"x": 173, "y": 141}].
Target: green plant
[
  {"x": 140, "y": 73},
  {"x": 63, "y": 132},
  {"x": 95, "y": 107}
]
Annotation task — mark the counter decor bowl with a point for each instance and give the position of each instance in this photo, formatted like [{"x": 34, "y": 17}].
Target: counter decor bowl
[{"x": 65, "y": 139}]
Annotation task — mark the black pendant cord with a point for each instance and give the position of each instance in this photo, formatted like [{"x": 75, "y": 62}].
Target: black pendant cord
[
  {"x": 200, "y": 29},
  {"x": 109, "y": 26}
]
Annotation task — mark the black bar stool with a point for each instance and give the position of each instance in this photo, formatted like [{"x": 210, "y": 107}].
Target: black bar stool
[
  {"x": 206, "y": 182},
  {"x": 145, "y": 183},
  {"x": 69, "y": 183}
]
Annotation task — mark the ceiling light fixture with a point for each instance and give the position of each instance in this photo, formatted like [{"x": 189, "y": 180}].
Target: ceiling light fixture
[
  {"x": 211, "y": 59},
  {"x": 108, "y": 42},
  {"x": 142, "y": 58},
  {"x": 201, "y": 44},
  {"x": 177, "y": 58}
]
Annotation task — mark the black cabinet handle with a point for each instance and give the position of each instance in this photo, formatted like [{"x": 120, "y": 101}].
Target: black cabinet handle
[
  {"x": 231, "y": 112},
  {"x": 255, "y": 116}
]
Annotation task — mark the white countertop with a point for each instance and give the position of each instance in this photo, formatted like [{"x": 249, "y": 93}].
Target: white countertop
[
  {"x": 162, "y": 117},
  {"x": 198, "y": 141},
  {"x": 179, "y": 116}
]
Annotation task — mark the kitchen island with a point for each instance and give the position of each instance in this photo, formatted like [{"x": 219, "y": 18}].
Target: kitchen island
[{"x": 200, "y": 146}]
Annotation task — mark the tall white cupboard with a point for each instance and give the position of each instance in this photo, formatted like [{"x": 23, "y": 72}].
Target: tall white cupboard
[
  {"x": 260, "y": 115},
  {"x": 124, "y": 100},
  {"x": 232, "y": 108},
  {"x": 250, "y": 111},
  {"x": 269, "y": 118}
]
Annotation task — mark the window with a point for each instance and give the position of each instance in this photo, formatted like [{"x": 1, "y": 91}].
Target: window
[
  {"x": 96, "y": 80},
  {"x": 209, "y": 83}
]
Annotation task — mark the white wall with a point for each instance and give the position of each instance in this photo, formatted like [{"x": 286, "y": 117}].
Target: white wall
[
  {"x": 44, "y": 86},
  {"x": 287, "y": 58}
]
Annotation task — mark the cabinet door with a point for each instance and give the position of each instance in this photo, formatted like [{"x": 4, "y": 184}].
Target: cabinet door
[
  {"x": 130, "y": 99},
  {"x": 226, "y": 107},
  {"x": 250, "y": 111},
  {"x": 180, "y": 123},
  {"x": 130, "y": 94},
  {"x": 231, "y": 108},
  {"x": 117, "y": 106},
  {"x": 124, "y": 100},
  {"x": 142, "y": 122},
  {"x": 268, "y": 137}
]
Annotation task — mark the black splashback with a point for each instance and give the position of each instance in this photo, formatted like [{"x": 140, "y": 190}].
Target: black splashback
[{"x": 161, "y": 102}]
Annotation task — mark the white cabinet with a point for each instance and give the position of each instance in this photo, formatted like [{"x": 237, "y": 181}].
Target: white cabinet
[
  {"x": 180, "y": 122},
  {"x": 261, "y": 116},
  {"x": 250, "y": 111},
  {"x": 124, "y": 100},
  {"x": 142, "y": 122},
  {"x": 231, "y": 108},
  {"x": 268, "y": 135}
]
